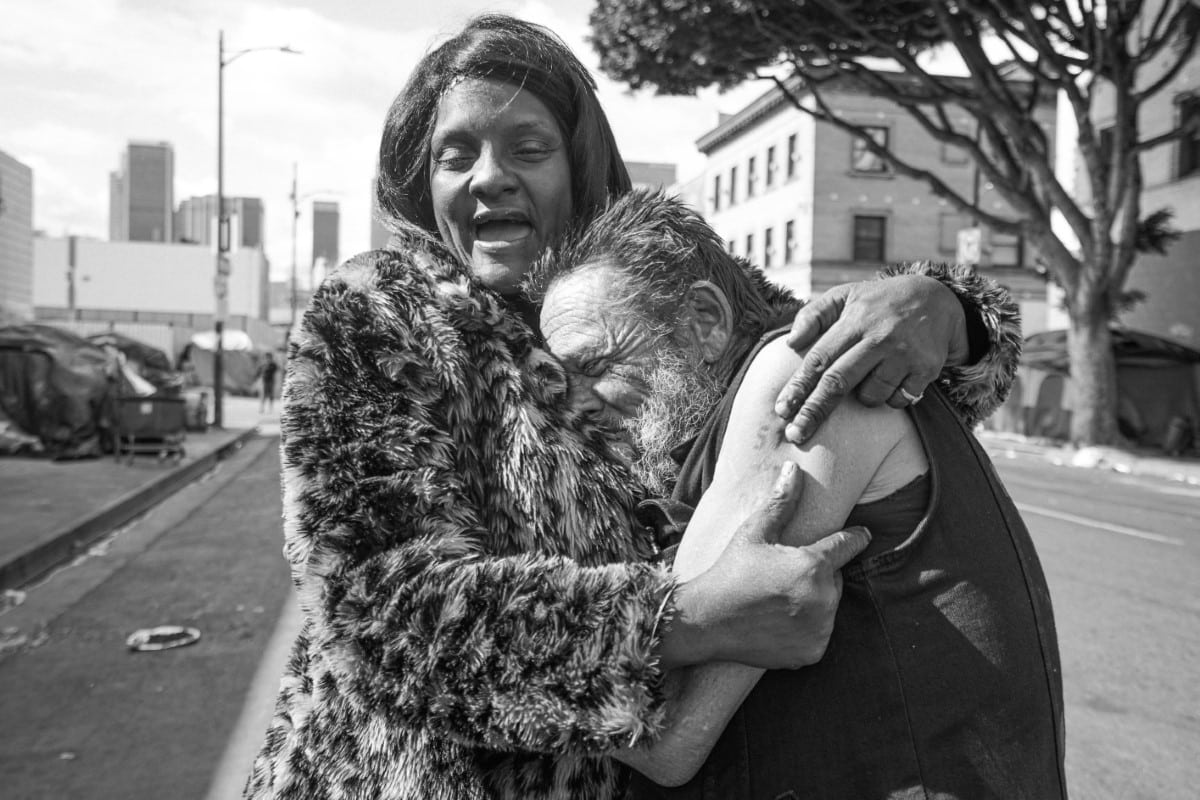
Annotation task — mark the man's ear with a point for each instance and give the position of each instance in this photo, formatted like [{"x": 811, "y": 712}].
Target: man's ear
[{"x": 709, "y": 321}]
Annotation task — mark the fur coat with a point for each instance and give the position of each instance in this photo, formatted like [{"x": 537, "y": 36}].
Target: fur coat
[{"x": 480, "y": 607}]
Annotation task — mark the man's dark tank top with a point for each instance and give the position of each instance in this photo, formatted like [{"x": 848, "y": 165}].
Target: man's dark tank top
[{"x": 942, "y": 678}]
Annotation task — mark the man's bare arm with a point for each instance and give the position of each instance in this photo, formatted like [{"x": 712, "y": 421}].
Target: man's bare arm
[{"x": 837, "y": 464}]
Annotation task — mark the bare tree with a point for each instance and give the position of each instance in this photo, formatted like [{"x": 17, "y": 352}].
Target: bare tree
[{"x": 1016, "y": 54}]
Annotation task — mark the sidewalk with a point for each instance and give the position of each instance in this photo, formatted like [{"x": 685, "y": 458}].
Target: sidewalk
[
  {"x": 1145, "y": 462},
  {"x": 52, "y": 510}
]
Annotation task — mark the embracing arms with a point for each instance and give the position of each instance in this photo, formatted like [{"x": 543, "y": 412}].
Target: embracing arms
[{"x": 470, "y": 596}]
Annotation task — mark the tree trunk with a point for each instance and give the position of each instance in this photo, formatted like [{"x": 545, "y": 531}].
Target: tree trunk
[{"x": 1093, "y": 371}]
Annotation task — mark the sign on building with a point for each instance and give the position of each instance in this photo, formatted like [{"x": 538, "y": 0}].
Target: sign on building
[{"x": 970, "y": 246}]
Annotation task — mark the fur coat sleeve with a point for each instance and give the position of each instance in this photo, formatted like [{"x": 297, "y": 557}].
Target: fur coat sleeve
[
  {"x": 464, "y": 549},
  {"x": 976, "y": 390}
]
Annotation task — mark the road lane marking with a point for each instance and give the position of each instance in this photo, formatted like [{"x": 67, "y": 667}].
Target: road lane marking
[{"x": 1105, "y": 526}]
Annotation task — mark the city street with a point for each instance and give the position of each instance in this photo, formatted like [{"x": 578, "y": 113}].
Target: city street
[
  {"x": 1122, "y": 555},
  {"x": 86, "y": 717}
]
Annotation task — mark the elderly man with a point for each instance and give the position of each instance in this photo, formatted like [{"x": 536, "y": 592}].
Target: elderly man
[{"x": 942, "y": 677}]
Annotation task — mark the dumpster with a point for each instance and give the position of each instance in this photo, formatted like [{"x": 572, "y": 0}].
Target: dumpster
[{"x": 154, "y": 425}]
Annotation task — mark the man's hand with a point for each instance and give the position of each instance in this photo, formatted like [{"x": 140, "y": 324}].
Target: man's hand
[
  {"x": 762, "y": 603},
  {"x": 889, "y": 338}
]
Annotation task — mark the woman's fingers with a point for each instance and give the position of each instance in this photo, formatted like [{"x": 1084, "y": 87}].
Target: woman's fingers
[{"x": 849, "y": 369}]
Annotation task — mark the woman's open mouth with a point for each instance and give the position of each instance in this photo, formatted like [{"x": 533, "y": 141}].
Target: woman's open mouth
[{"x": 501, "y": 232}]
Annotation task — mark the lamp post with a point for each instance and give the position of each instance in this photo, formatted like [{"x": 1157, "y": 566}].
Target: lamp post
[
  {"x": 296, "y": 201},
  {"x": 221, "y": 282}
]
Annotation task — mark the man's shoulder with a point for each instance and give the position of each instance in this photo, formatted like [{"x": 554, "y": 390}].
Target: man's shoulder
[{"x": 770, "y": 370}]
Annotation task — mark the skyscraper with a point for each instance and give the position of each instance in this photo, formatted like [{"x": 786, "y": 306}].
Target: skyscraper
[
  {"x": 142, "y": 194},
  {"x": 325, "y": 220},
  {"x": 16, "y": 240},
  {"x": 196, "y": 220}
]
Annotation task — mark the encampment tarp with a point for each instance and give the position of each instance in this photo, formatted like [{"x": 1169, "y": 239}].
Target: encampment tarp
[
  {"x": 239, "y": 361},
  {"x": 56, "y": 386},
  {"x": 1157, "y": 381},
  {"x": 146, "y": 360}
]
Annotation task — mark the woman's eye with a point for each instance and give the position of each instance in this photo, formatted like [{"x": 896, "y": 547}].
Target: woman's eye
[
  {"x": 533, "y": 151},
  {"x": 454, "y": 159}
]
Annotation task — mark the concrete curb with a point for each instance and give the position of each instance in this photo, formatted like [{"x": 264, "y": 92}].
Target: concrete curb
[{"x": 67, "y": 542}]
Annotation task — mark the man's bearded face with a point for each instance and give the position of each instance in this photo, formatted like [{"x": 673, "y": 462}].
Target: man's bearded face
[
  {"x": 682, "y": 393},
  {"x": 624, "y": 371}
]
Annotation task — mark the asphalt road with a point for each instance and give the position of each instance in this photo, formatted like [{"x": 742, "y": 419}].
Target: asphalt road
[
  {"x": 83, "y": 717},
  {"x": 1122, "y": 556}
]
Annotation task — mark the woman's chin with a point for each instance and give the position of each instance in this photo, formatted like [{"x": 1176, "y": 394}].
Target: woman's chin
[{"x": 500, "y": 269}]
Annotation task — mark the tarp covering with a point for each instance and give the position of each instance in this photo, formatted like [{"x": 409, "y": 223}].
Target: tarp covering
[
  {"x": 143, "y": 359},
  {"x": 239, "y": 364},
  {"x": 56, "y": 386},
  {"x": 1048, "y": 350},
  {"x": 1157, "y": 381}
]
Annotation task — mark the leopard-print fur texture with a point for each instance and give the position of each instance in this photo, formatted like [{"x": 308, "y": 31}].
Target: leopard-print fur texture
[{"x": 480, "y": 610}]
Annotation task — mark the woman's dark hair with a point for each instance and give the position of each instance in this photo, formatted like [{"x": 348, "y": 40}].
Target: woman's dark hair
[{"x": 496, "y": 47}]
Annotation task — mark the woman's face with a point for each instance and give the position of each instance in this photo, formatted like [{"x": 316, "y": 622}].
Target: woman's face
[{"x": 500, "y": 179}]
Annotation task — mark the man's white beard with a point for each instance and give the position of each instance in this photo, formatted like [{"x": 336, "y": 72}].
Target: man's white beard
[{"x": 682, "y": 394}]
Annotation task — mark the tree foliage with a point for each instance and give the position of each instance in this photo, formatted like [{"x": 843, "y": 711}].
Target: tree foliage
[{"x": 1016, "y": 55}]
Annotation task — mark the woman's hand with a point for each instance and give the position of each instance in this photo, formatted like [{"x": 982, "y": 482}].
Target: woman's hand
[
  {"x": 887, "y": 338},
  {"x": 763, "y": 604}
]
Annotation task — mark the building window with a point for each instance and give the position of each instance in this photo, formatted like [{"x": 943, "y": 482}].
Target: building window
[
  {"x": 732, "y": 247},
  {"x": 716, "y": 198},
  {"x": 750, "y": 247},
  {"x": 768, "y": 247},
  {"x": 770, "y": 166},
  {"x": 870, "y": 232},
  {"x": 949, "y": 225},
  {"x": 793, "y": 156},
  {"x": 1189, "y": 145},
  {"x": 732, "y": 185},
  {"x": 751, "y": 177},
  {"x": 861, "y": 158},
  {"x": 789, "y": 241}
]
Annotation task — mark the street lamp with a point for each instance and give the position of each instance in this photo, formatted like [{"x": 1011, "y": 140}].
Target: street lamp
[
  {"x": 221, "y": 282},
  {"x": 296, "y": 201}
]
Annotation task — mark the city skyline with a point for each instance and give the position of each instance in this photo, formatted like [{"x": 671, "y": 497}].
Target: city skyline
[{"x": 136, "y": 70}]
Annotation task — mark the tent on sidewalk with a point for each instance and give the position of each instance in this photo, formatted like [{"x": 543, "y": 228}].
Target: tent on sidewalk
[
  {"x": 56, "y": 386},
  {"x": 239, "y": 360},
  {"x": 1157, "y": 381}
]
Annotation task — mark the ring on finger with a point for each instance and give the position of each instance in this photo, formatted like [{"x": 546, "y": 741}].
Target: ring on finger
[{"x": 912, "y": 399}]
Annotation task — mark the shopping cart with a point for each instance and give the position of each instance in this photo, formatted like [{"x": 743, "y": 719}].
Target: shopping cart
[{"x": 150, "y": 426}]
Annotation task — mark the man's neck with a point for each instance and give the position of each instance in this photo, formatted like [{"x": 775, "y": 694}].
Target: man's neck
[{"x": 731, "y": 360}]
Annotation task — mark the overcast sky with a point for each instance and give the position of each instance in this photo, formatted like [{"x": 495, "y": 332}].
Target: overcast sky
[{"x": 80, "y": 78}]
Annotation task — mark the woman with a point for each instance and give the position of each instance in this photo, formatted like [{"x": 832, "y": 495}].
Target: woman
[{"x": 482, "y": 617}]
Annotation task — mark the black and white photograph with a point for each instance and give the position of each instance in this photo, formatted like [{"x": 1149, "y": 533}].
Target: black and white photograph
[{"x": 599, "y": 400}]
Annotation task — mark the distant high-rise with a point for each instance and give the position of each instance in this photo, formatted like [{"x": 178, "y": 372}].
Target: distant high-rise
[
  {"x": 196, "y": 221},
  {"x": 142, "y": 194},
  {"x": 325, "y": 221},
  {"x": 16, "y": 240}
]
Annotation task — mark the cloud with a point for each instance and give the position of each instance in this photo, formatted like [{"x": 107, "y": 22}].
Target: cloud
[{"x": 120, "y": 70}]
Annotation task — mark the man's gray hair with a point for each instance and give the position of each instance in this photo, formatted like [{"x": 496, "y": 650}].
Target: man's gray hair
[{"x": 662, "y": 247}]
